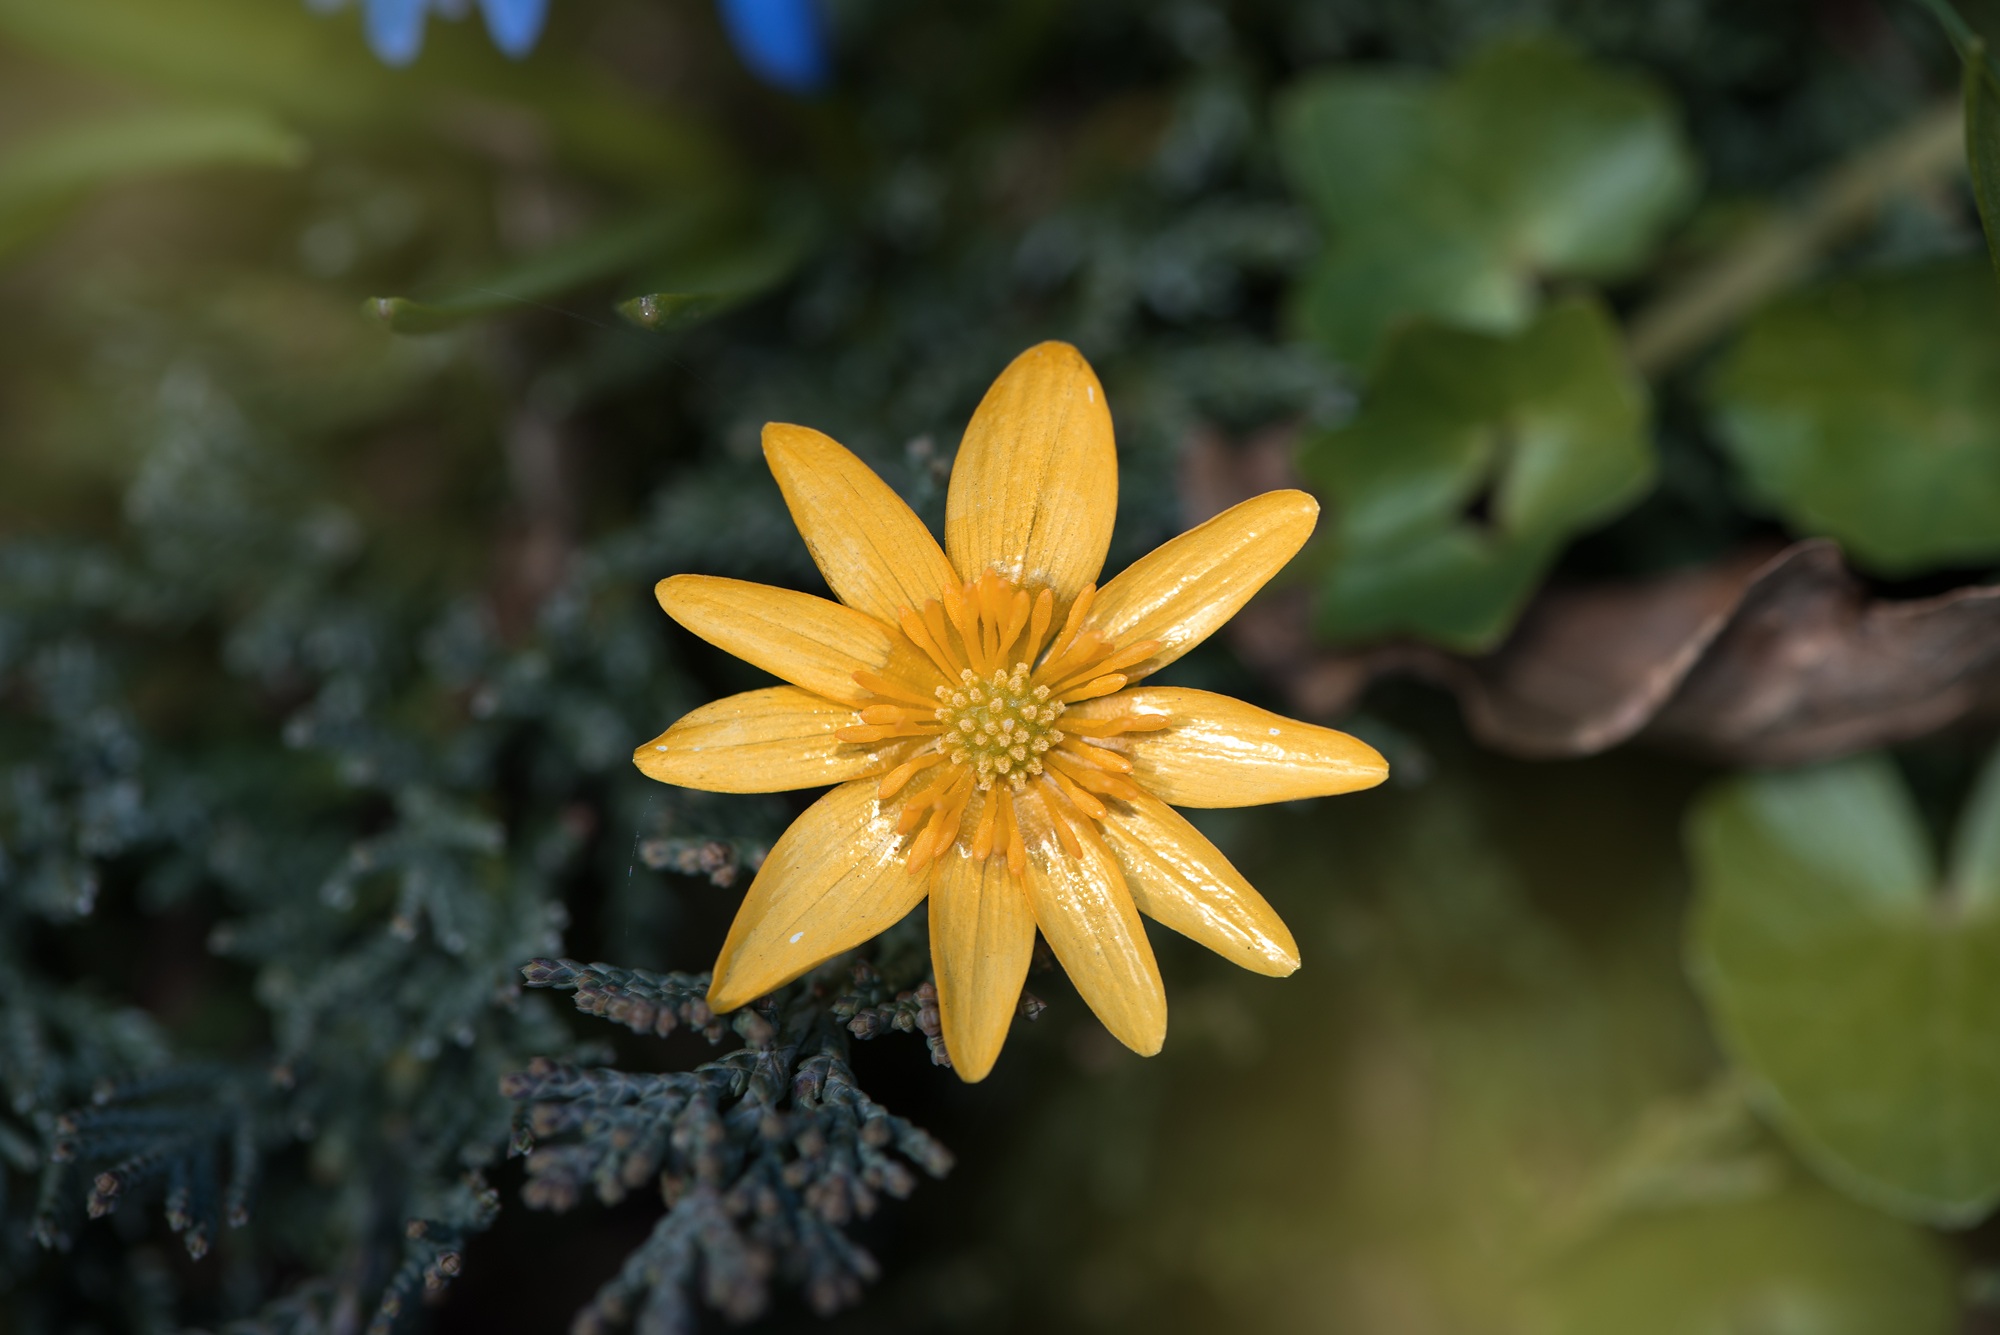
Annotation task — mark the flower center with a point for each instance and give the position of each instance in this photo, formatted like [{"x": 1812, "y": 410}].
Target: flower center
[
  {"x": 999, "y": 728},
  {"x": 988, "y": 731}
]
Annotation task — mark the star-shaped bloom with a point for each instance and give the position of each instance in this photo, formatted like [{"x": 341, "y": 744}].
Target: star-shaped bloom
[{"x": 980, "y": 711}]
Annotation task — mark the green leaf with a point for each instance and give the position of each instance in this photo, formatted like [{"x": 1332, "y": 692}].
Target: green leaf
[
  {"x": 1453, "y": 198},
  {"x": 317, "y": 72},
  {"x": 709, "y": 285},
  {"x": 1868, "y": 410},
  {"x": 1801, "y": 1260},
  {"x": 620, "y": 248},
  {"x": 42, "y": 176},
  {"x": 1474, "y": 457},
  {"x": 1982, "y": 141},
  {"x": 1859, "y": 994}
]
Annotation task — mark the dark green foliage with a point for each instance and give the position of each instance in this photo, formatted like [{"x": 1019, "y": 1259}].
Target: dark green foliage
[
  {"x": 1982, "y": 142},
  {"x": 324, "y": 646},
  {"x": 763, "y": 1155}
]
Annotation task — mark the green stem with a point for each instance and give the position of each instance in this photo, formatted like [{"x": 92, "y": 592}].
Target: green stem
[
  {"x": 1784, "y": 250},
  {"x": 1968, "y": 43}
]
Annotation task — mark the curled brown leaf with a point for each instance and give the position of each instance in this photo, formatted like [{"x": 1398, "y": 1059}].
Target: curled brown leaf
[{"x": 1771, "y": 656}]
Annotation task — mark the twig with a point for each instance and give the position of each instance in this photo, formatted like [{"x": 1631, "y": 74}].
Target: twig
[
  {"x": 1785, "y": 249},
  {"x": 1969, "y": 45}
]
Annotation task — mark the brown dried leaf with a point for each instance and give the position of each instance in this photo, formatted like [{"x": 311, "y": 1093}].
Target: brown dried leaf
[{"x": 1769, "y": 657}]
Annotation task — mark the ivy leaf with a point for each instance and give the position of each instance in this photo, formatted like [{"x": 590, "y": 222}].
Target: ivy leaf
[
  {"x": 1982, "y": 141},
  {"x": 42, "y": 176},
  {"x": 1830, "y": 1267},
  {"x": 1859, "y": 994},
  {"x": 1453, "y": 197},
  {"x": 1472, "y": 460},
  {"x": 1868, "y": 410}
]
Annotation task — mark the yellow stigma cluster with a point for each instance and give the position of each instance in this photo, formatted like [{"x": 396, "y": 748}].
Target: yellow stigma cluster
[{"x": 999, "y": 727}]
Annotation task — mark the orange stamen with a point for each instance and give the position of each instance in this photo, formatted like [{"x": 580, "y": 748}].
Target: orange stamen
[
  {"x": 982, "y": 839},
  {"x": 1053, "y": 804},
  {"x": 879, "y": 685},
  {"x": 893, "y": 782},
  {"x": 1038, "y": 630},
  {"x": 1095, "y": 687},
  {"x": 921, "y": 636},
  {"x": 1083, "y": 801}
]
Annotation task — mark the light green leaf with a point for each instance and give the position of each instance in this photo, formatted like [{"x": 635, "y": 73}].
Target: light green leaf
[
  {"x": 1868, "y": 410},
  {"x": 1452, "y": 198},
  {"x": 1474, "y": 457},
  {"x": 1859, "y": 995},
  {"x": 621, "y": 248},
  {"x": 1802, "y": 1260},
  {"x": 1982, "y": 141},
  {"x": 42, "y": 176},
  {"x": 317, "y": 72}
]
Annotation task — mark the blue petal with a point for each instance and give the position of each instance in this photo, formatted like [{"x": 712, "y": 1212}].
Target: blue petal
[
  {"x": 515, "y": 24},
  {"x": 396, "y": 28},
  {"x": 783, "y": 42}
]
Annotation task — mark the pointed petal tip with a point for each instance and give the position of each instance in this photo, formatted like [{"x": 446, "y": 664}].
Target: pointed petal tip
[
  {"x": 1055, "y": 347},
  {"x": 1304, "y": 501},
  {"x": 975, "y": 1070},
  {"x": 650, "y": 759},
  {"x": 1370, "y": 766},
  {"x": 669, "y": 591},
  {"x": 722, "y": 1001},
  {"x": 786, "y": 437}
]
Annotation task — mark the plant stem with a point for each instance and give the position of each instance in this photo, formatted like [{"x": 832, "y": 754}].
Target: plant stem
[
  {"x": 1689, "y": 315},
  {"x": 1969, "y": 45}
]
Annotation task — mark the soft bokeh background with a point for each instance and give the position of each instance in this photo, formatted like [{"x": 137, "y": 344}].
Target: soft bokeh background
[{"x": 350, "y": 409}]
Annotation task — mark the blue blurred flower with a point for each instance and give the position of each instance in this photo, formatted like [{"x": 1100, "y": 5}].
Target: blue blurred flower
[
  {"x": 396, "y": 27},
  {"x": 782, "y": 42}
]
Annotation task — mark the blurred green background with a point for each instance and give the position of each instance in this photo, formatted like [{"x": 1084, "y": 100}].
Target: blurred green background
[{"x": 1646, "y": 359}]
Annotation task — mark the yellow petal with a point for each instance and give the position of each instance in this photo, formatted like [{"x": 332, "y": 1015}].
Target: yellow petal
[
  {"x": 1086, "y": 914},
  {"x": 1182, "y": 591},
  {"x": 1219, "y": 752},
  {"x": 982, "y": 938},
  {"x": 876, "y": 554},
  {"x": 764, "y": 741},
  {"x": 1035, "y": 487},
  {"x": 832, "y": 881},
  {"x": 807, "y": 641},
  {"x": 1181, "y": 880}
]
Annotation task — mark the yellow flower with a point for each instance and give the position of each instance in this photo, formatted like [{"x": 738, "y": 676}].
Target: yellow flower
[{"x": 975, "y": 707}]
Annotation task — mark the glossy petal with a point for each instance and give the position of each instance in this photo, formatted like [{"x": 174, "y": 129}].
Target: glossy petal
[
  {"x": 832, "y": 881},
  {"x": 807, "y": 641},
  {"x": 876, "y": 554},
  {"x": 782, "y": 42},
  {"x": 1187, "y": 587},
  {"x": 1181, "y": 880},
  {"x": 982, "y": 938},
  {"x": 1035, "y": 487},
  {"x": 1088, "y": 918},
  {"x": 765, "y": 741},
  {"x": 1219, "y": 752},
  {"x": 514, "y": 25}
]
